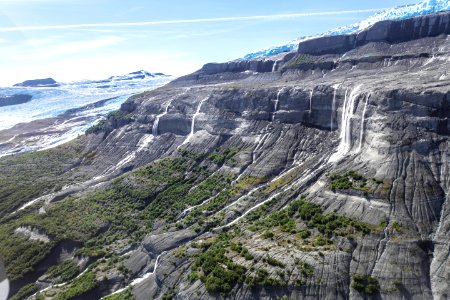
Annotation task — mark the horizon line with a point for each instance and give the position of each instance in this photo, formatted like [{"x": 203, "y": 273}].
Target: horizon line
[{"x": 188, "y": 21}]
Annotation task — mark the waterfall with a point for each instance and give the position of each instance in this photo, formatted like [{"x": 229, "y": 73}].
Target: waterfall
[
  {"x": 199, "y": 107},
  {"x": 156, "y": 123},
  {"x": 139, "y": 279},
  {"x": 333, "y": 105},
  {"x": 310, "y": 99},
  {"x": 361, "y": 133},
  {"x": 345, "y": 136},
  {"x": 276, "y": 104},
  {"x": 274, "y": 67}
]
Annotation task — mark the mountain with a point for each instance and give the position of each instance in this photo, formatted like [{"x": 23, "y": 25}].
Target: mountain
[
  {"x": 47, "y": 82},
  {"x": 398, "y": 13},
  {"x": 321, "y": 174},
  {"x": 137, "y": 75}
]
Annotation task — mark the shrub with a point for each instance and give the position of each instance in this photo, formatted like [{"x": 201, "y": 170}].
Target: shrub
[
  {"x": 65, "y": 271},
  {"x": 365, "y": 284},
  {"x": 218, "y": 272},
  {"x": 273, "y": 262},
  {"x": 79, "y": 286}
]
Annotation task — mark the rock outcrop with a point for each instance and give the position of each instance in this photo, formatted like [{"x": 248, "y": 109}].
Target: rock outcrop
[{"x": 46, "y": 82}]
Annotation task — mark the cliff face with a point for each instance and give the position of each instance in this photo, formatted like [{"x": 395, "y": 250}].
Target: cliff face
[
  {"x": 391, "y": 32},
  {"x": 323, "y": 178}
]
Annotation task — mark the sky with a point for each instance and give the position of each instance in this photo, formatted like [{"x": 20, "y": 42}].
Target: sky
[{"x": 92, "y": 39}]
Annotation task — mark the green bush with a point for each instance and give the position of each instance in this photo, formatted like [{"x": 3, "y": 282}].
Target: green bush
[
  {"x": 221, "y": 156},
  {"x": 216, "y": 270},
  {"x": 365, "y": 284},
  {"x": 350, "y": 180},
  {"x": 125, "y": 295},
  {"x": 273, "y": 262},
  {"x": 262, "y": 278},
  {"x": 79, "y": 286},
  {"x": 65, "y": 271}
]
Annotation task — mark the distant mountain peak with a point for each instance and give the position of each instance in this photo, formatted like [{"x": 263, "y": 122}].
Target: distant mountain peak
[
  {"x": 46, "y": 82},
  {"x": 141, "y": 74},
  {"x": 397, "y": 13}
]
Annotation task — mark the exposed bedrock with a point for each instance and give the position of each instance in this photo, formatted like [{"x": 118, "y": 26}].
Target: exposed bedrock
[{"x": 376, "y": 104}]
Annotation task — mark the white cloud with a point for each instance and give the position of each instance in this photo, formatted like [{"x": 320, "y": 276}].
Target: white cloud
[{"x": 190, "y": 21}]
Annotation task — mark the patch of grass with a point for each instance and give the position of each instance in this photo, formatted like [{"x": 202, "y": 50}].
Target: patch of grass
[
  {"x": 79, "y": 286},
  {"x": 125, "y": 295},
  {"x": 64, "y": 271},
  {"x": 27, "y": 176},
  {"x": 221, "y": 156}
]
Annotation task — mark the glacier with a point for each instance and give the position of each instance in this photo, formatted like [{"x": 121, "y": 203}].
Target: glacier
[
  {"x": 396, "y": 13},
  {"x": 56, "y": 115}
]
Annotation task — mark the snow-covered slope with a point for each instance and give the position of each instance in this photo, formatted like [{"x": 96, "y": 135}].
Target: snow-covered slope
[
  {"x": 397, "y": 13},
  {"x": 137, "y": 75}
]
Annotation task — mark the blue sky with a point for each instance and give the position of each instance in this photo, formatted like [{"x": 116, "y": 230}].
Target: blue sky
[{"x": 113, "y": 37}]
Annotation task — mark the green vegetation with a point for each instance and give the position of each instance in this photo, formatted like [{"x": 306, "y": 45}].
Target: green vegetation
[
  {"x": 365, "y": 284},
  {"x": 115, "y": 118},
  {"x": 25, "y": 292},
  {"x": 397, "y": 226},
  {"x": 303, "y": 212},
  {"x": 221, "y": 156},
  {"x": 238, "y": 189},
  {"x": 215, "y": 269},
  {"x": 125, "y": 295},
  {"x": 168, "y": 296},
  {"x": 125, "y": 210},
  {"x": 97, "y": 128},
  {"x": 350, "y": 180},
  {"x": 303, "y": 59},
  {"x": 30, "y": 175},
  {"x": 262, "y": 278},
  {"x": 79, "y": 286},
  {"x": 241, "y": 250},
  {"x": 304, "y": 268},
  {"x": 64, "y": 271},
  {"x": 273, "y": 262}
]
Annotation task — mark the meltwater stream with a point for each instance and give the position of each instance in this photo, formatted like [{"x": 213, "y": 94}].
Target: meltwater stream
[{"x": 194, "y": 117}]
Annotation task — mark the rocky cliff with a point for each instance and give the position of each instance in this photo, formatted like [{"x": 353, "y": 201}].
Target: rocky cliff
[{"x": 325, "y": 177}]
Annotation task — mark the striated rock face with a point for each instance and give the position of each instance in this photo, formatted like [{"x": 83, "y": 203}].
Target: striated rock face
[
  {"x": 361, "y": 130},
  {"x": 387, "y": 31}
]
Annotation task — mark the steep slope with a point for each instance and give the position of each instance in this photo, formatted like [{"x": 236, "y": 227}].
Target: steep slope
[{"x": 323, "y": 178}]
